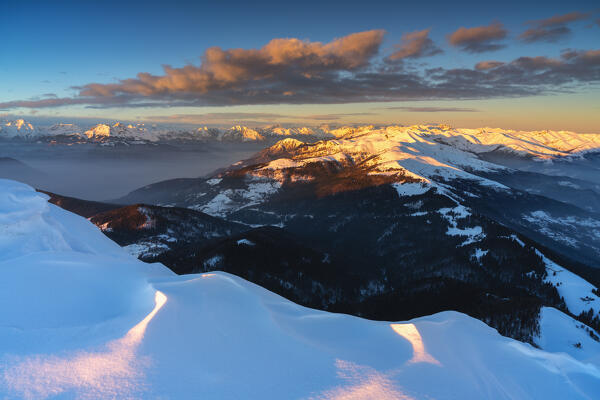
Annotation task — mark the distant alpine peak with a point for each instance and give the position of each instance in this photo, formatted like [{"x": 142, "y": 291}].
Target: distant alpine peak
[
  {"x": 122, "y": 131},
  {"x": 18, "y": 127},
  {"x": 287, "y": 144},
  {"x": 98, "y": 131},
  {"x": 21, "y": 124},
  {"x": 294, "y": 131},
  {"x": 243, "y": 133}
]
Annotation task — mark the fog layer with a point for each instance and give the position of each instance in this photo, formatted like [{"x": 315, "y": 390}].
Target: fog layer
[{"x": 102, "y": 173}]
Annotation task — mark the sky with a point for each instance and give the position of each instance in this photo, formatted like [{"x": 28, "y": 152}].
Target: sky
[{"x": 511, "y": 64}]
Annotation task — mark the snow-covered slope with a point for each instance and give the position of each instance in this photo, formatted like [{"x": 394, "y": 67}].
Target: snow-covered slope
[
  {"x": 79, "y": 318},
  {"x": 542, "y": 145},
  {"x": 391, "y": 151},
  {"x": 123, "y": 131},
  {"x": 560, "y": 333},
  {"x": 536, "y": 144},
  {"x": 16, "y": 128}
]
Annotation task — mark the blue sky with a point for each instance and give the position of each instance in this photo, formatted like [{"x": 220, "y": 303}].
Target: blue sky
[{"x": 53, "y": 46}]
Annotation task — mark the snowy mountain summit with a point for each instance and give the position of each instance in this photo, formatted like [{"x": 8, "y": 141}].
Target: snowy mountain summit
[
  {"x": 80, "y": 318},
  {"x": 16, "y": 128}
]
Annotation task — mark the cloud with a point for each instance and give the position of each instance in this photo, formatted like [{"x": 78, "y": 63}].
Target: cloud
[
  {"x": 433, "y": 109},
  {"x": 223, "y": 116},
  {"x": 61, "y": 101},
  {"x": 551, "y": 29},
  {"x": 527, "y": 75},
  {"x": 346, "y": 70},
  {"x": 485, "y": 65},
  {"x": 415, "y": 45},
  {"x": 228, "y": 117},
  {"x": 550, "y": 35},
  {"x": 329, "y": 117},
  {"x": 289, "y": 59},
  {"x": 479, "y": 39},
  {"x": 560, "y": 19}
]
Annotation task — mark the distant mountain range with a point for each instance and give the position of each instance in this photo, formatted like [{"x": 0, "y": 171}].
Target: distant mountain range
[
  {"x": 115, "y": 133},
  {"x": 541, "y": 145}
]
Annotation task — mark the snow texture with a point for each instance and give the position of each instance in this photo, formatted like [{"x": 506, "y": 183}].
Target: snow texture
[
  {"x": 577, "y": 292},
  {"x": 560, "y": 333}
]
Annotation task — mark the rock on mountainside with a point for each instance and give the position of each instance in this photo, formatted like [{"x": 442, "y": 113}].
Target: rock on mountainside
[{"x": 80, "y": 318}]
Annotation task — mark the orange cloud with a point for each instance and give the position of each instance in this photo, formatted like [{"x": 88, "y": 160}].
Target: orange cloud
[
  {"x": 293, "y": 71},
  {"x": 415, "y": 44},
  {"x": 278, "y": 59},
  {"x": 485, "y": 65},
  {"x": 478, "y": 39},
  {"x": 561, "y": 19},
  {"x": 551, "y": 29}
]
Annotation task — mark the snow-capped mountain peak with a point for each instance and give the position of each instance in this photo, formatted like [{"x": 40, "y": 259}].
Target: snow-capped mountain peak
[
  {"x": 293, "y": 131},
  {"x": 286, "y": 145},
  {"x": 20, "y": 124},
  {"x": 17, "y": 128},
  {"x": 242, "y": 133},
  {"x": 100, "y": 130}
]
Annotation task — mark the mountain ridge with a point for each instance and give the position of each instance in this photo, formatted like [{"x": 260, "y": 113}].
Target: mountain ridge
[{"x": 539, "y": 145}]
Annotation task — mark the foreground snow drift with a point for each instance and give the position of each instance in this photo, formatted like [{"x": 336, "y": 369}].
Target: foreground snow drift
[{"x": 79, "y": 318}]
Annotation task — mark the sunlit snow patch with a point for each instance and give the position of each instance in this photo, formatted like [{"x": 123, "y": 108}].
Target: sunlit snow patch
[
  {"x": 411, "y": 333},
  {"x": 115, "y": 372}
]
